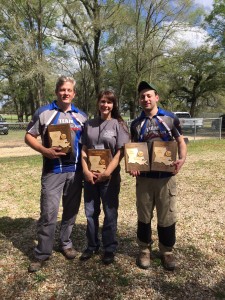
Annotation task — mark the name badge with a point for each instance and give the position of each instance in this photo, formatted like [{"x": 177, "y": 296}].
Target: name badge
[{"x": 99, "y": 146}]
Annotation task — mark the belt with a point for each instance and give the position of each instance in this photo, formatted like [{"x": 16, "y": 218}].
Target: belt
[{"x": 156, "y": 174}]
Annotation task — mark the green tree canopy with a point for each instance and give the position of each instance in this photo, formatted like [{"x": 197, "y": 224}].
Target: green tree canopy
[
  {"x": 216, "y": 22},
  {"x": 197, "y": 78}
]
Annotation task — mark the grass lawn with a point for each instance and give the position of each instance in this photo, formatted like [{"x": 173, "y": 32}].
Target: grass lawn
[
  {"x": 13, "y": 136},
  {"x": 199, "y": 249},
  {"x": 11, "y": 118}
]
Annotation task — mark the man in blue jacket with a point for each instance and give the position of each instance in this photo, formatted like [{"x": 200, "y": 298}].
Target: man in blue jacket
[
  {"x": 62, "y": 173},
  {"x": 154, "y": 188}
]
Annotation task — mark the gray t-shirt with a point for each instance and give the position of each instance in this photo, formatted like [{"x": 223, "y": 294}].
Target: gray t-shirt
[{"x": 106, "y": 134}]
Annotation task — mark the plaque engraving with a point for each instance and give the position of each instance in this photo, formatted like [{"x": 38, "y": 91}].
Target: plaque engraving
[
  {"x": 136, "y": 157},
  {"x": 98, "y": 159},
  {"x": 163, "y": 154},
  {"x": 60, "y": 136}
]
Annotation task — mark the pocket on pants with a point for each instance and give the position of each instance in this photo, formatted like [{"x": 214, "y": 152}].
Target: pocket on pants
[{"x": 172, "y": 194}]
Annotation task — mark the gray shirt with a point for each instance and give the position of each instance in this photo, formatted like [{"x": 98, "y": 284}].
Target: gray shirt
[{"x": 107, "y": 134}]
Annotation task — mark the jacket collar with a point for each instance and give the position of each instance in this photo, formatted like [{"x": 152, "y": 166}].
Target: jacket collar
[{"x": 55, "y": 106}]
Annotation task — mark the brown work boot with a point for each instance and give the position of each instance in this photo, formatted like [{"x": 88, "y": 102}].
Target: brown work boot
[
  {"x": 69, "y": 253},
  {"x": 35, "y": 265},
  {"x": 143, "y": 259},
  {"x": 168, "y": 261}
]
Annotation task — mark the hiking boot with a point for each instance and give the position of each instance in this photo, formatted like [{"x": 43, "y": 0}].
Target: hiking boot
[
  {"x": 168, "y": 262},
  {"x": 87, "y": 254},
  {"x": 69, "y": 253},
  {"x": 143, "y": 260},
  {"x": 108, "y": 258},
  {"x": 35, "y": 265}
]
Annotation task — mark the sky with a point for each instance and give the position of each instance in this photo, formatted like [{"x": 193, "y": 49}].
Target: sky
[
  {"x": 194, "y": 35},
  {"x": 206, "y": 3}
]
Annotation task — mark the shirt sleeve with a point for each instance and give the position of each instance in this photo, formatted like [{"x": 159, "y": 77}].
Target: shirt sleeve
[
  {"x": 123, "y": 135},
  {"x": 84, "y": 135},
  {"x": 177, "y": 130},
  {"x": 34, "y": 126},
  {"x": 133, "y": 133}
]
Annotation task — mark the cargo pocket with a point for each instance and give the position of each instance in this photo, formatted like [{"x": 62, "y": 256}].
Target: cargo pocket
[{"x": 172, "y": 194}]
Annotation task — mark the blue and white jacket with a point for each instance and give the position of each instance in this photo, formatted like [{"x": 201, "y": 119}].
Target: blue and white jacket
[
  {"x": 163, "y": 126},
  {"x": 52, "y": 114}
]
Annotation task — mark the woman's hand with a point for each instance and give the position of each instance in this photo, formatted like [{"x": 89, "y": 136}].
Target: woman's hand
[
  {"x": 90, "y": 177},
  {"x": 101, "y": 177}
]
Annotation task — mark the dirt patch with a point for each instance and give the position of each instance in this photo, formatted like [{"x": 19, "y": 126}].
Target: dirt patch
[{"x": 16, "y": 151}]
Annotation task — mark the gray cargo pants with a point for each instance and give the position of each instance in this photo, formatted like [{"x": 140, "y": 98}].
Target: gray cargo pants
[{"x": 54, "y": 186}]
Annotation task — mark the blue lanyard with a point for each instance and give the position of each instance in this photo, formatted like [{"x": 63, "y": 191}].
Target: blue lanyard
[
  {"x": 143, "y": 129},
  {"x": 162, "y": 127}
]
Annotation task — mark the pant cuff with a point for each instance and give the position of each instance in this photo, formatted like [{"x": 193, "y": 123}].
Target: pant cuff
[{"x": 164, "y": 249}]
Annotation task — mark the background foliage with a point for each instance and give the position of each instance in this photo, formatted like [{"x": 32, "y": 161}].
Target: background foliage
[{"x": 110, "y": 44}]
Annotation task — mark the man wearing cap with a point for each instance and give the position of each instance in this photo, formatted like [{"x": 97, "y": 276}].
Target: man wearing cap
[{"x": 154, "y": 188}]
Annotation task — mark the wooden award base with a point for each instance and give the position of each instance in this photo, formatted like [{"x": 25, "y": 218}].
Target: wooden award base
[
  {"x": 60, "y": 136},
  {"x": 98, "y": 159},
  {"x": 163, "y": 154},
  {"x": 136, "y": 157}
]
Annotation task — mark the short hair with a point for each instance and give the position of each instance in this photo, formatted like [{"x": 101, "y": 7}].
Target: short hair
[{"x": 62, "y": 79}]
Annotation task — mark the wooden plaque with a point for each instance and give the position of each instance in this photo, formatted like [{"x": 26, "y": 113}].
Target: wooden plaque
[
  {"x": 98, "y": 159},
  {"x": 136, "y": 157},
  {"x": 163, "y": 154},
  {"x": 60, "y": 136}
]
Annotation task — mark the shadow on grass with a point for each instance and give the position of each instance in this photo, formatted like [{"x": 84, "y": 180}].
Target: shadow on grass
[
  {"x": 121, "y": 280},
  {"x": 219, "y": 289},
  {"x": 18, "y": 231},
  {"x": 22, "y": 233},
  {"x": 189, "y": 281}
]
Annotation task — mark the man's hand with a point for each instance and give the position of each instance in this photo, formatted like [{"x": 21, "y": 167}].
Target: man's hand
[
  {"x": 178, "y": 164},
  {"x": 134, "y": 173},
  {"x": 52, "y": 153},
  {"x": 182, "y": 151}
]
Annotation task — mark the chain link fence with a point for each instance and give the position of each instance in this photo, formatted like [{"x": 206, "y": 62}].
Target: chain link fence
[
  {"x": 212, "y": 128},
  {"x": 17, "y": 126}
]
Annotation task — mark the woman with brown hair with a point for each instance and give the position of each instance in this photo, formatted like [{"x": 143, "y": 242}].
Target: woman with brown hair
[{"x": 107, "y": 131}]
